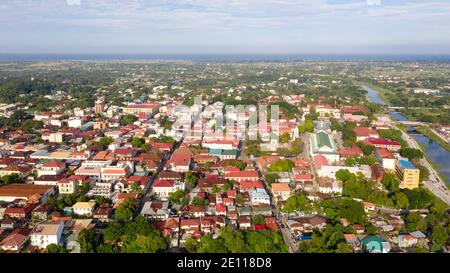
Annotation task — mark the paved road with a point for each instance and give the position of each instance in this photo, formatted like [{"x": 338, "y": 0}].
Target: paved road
[
  {"x": 435, "y": 184},
  {"x": 147, "y": 189},
  {"x": 285, "y": 232}
]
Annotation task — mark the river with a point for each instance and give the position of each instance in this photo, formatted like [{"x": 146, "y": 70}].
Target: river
[{"x": 434, "y": 151}]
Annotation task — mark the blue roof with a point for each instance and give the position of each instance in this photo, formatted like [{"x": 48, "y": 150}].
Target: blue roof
[
  {"x": 406, "y": 164},
  {"x": 215, "y": 151}
]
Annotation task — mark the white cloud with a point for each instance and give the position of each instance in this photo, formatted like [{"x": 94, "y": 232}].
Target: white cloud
[
  {"x": 73, "y": 2},
  {"x": 374, "y": 2}
]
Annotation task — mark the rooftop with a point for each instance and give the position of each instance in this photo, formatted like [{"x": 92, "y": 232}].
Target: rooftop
[{"x": 406, "y": 164}]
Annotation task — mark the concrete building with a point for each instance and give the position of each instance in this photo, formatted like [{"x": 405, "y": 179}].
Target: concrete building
[
  {"x": 386, "y": 158},
  {"x": 407, "y": 173},
  {"x": 323, "y": 144},
  {"x": 47, "y": 233}
]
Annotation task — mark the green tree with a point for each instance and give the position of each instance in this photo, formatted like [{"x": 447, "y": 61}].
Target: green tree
[
  {"x": 424, "y": 172},
  {"x": 308, "y": 126},
  {"x": 150, "y": 243},
  {"x": 439, "y": 237},
  {"x": 137, "y": 142},
  {"x": 401, "y": 200},
  {"x": 233, "y": 240},
  {"x": 176, "y": 197},
  {"x": 128, "y": 119},
  {"x": 391, "y": 182},
  {"x": 113, "y": 232},
  {"x": 105, "y": 141},
  {"x": 344, "y": 175},
  {"x": 191, "y": 180},
  {"x": 258, "y": 219},
  {"x": 210, "y": 245},
  {"x": 415, "y": 222},
  {"x": 239, "y": 199},
  {"x": 199, "y": 201},
  {"x": 271, "y": 178},
  {"x": 12, "y": 179},
  {"x": 207, "y": 166},
  {"x": 284, "y": 138},
  {"x": 284, "y": 165},
  {"x": 328, "y": 240},
  {"x": 353, "y": 211},
  {"x": 411, "y": 153},
  {"x": 126, "y": 209},
  {"x": 265, "y": 241},
  {"x": 191, "y": 245},
  {"x": 54, "y": 248},
  {"x": 88, "y": 240},
  {"x": 237, "y": 163},
  {"x": 344, "y": 248},
  {"x": 297, "y": 202},
  {"x": 367, "y": 149},
  {"x": 136, "y": 188}
]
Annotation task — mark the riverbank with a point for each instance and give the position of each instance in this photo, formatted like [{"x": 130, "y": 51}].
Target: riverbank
[
  {"x": 382, "y": 92},
  {"x": 427, "y": 132}
]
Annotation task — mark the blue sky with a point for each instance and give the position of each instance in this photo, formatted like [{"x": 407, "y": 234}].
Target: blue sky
[{"x": 225, "y": 26}]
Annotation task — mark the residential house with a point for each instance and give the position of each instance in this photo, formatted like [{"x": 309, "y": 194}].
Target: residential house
[{"x": 84, "y": 208}]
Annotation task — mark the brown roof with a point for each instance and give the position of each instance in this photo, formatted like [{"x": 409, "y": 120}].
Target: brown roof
[{"x": 23, "y": 190}]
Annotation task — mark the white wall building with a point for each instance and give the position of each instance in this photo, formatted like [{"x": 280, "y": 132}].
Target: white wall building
[{"x": 47, "y": 233}]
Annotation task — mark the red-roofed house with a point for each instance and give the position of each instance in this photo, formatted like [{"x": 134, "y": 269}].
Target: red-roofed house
[
  {"x": 242, "y": 175},
  {"x": 363, "y": 133},
  {"x": 247, "y": 185},
  {"x": 163, "y": 188},
  {"x": 179, "y": 163},
  {"x": 319, "y": 161},
  {"x": 15, "y": 240},
  {"x": 141, "y": 180},
  {"x": 221, "y": 209},
  {"x": 393, "y": 146},
  {"x": 353, "y": 151},
  {"x": 52, "y": 168}
]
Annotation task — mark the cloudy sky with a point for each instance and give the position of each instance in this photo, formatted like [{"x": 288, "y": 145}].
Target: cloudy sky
[{"x": 225, "y": 26}]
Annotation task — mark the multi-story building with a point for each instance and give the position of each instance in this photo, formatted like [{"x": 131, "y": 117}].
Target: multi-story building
[
  {"x": 45, "y": 234},
  {"x": 386, "y": 158},
  {"x": 148, "y": 107},
  {"x": 84, "y": 208},
  {"x": 52, "y": 168},
  {"x": 66, "y": 186},
  {"x": 407, "y": 173}
]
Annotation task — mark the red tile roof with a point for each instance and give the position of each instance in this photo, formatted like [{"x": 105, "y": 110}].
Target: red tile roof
[
  {"x": 364, "y": 131},
  {"x": 159, "y": 183},
  {"x": 241, "y": 174},
  {"x": 385, "y": 153}
]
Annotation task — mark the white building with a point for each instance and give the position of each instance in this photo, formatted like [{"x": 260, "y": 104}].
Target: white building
[
  {"x": 56, "y": 137},
  {"x": 259, "y": 196},
  {"x": 66, "y": 186},
  {"x": 386, "y": 158},
  {"x": 52, "y": 168},
  {"x": 163, "y": 188},
  {"x": 75, "y": 123},
  {"x": 47, "y": 233},
  {"x": 330, "y": 171},
  {"x": 84, "y": 208},
  {"x": 323, "y": 144},
  {"x": 115, "y": 172}
]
